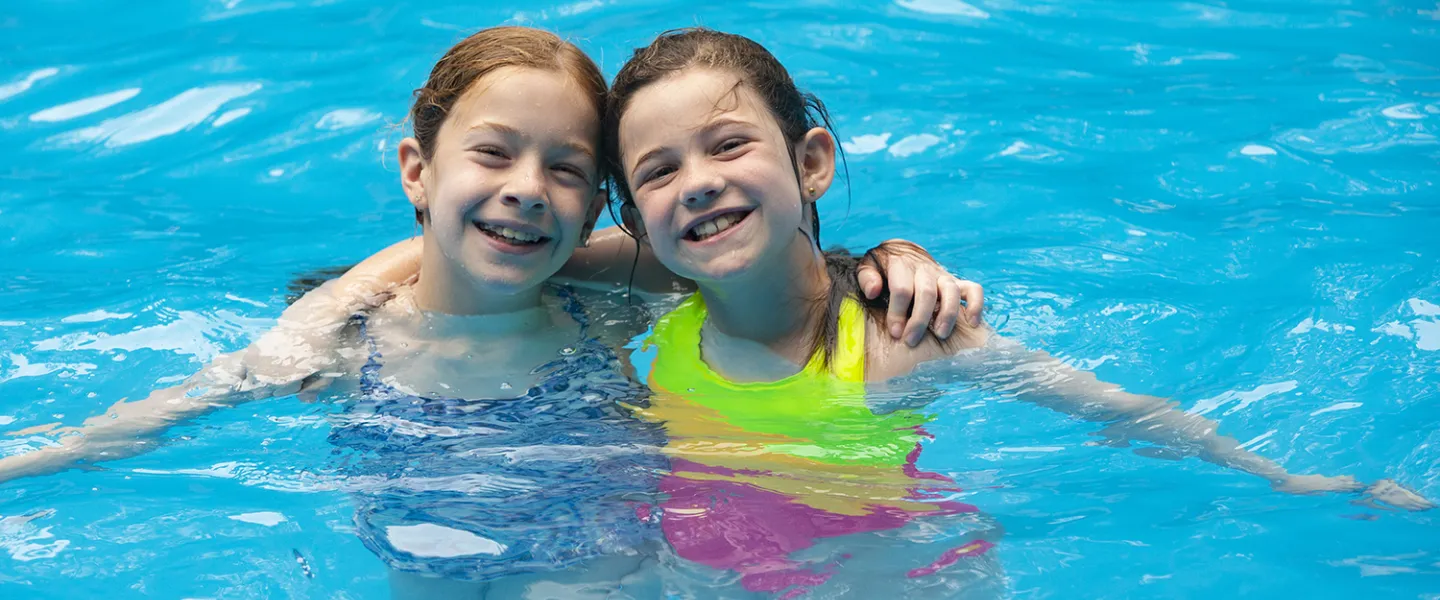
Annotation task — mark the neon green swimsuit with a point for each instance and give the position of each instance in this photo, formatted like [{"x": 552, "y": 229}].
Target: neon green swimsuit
[
  {"x": 813, "y": 415},
  {"x": 762, "y": 470}
]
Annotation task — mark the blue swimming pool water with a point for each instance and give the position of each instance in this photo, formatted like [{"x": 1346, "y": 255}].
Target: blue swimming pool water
[{"x": 1229, "y": 204}]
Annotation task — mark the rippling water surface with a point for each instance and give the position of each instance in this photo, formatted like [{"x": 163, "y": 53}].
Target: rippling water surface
[{"x": 1231, "y": 204}]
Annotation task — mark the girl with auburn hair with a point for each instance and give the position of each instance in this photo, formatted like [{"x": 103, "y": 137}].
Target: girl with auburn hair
[
  {"x": 449, "y": 377},
  {"x": 759, "y": 378}
]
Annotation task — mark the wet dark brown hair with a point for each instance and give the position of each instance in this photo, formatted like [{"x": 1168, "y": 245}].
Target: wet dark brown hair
[{"x": 794, "y": 111}]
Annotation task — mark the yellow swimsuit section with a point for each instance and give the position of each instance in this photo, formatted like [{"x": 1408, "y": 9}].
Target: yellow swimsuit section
[
  {"x": 760, "y": 471},
  {"x": 787, "y": 436}
]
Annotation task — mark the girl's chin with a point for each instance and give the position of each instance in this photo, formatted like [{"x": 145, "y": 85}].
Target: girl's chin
[
  {"x": 721, "y": 269},
  {"x": 506, "y": 279}
]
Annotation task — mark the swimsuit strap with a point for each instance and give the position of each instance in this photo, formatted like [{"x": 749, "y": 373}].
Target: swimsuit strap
[
  {"x": 574, "y": 308},
  {"x": 370, "y": 383}
]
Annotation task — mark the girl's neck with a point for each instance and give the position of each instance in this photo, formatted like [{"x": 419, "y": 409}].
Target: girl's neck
[
  {"x": 773, "y": 304},
  {"x": 445, "y": 287}
]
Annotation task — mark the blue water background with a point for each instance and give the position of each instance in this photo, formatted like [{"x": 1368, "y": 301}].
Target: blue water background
[{"x": 1230, "y": 204}]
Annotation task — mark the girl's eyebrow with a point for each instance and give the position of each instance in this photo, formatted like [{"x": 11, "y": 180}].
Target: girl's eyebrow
[
  {"x": 514, "y": 133},
  {"x": 501, "y": 128}
]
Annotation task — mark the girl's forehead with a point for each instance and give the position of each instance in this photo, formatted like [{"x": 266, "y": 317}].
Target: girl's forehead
[
  {"x": 686, "y": 102},
  {"x": 527, "y": 92},
  {"x": 695, "y": 92}
]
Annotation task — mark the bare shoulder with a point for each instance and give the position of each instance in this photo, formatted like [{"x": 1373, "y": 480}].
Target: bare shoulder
[
  {"x": 395, "y": 264},
  {"x": 887, "y": 357}
]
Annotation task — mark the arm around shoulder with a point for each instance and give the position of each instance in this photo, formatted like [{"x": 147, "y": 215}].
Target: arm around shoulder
[
  {"x": 887, "y": 357},
  {"x": 612, "y": 257}
]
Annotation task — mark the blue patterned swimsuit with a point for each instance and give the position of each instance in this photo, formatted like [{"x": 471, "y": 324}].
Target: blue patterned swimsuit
[{"x": 529, "y": 484}]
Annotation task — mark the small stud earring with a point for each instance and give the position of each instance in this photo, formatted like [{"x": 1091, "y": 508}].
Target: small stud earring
[{"x": 812, "y": 191}]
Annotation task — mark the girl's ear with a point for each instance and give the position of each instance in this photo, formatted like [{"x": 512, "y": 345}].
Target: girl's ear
[
  {"x": 596, "y": 205},
  {"x": 817, "y": 163},
  {"x": 412, "y": 174},
  {"x": 633, "y": 223}
]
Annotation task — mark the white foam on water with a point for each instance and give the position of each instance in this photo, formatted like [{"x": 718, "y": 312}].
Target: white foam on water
[
  {"x": 19, "y": 87},
  {"x": 913, "y": 144},
  {"x": 579, "y": 7},
  {"x": 1242, "y": 399},
  {"x": 266, "y": 518},
  {"x": 22, "y": 367},
  {"x": 1310, "y": 324},
  {"x": 1423, "y": 308},
  {"x": 866, "y": 144},
  {"x": 95, "y": 315},
  {"x": 437, "y": 541},
  {"x": 229, "y": 115},
  {"x": 85, "y": 106},
  {"x": 1338, "y": 406},
  {"x": 1427, "y": 334},
  {"x": 1402, "y": 112},
  {"x": 951, "y": 8},
  {"x": 189, "y": 333},
  {"x": 346, "y": 118},
  {"x": 1395, "y": 328},
  {"x": 187, "y": 109}
]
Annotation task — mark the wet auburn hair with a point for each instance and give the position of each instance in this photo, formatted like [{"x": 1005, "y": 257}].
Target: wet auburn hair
[
  {"x": 485, "y": 52},
  {"x": 794, "y": 111}
]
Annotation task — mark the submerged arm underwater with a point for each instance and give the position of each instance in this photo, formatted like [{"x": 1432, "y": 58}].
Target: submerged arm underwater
[
  {"x": 295, "y": 356},
  {"x": 1009, "y": 369}
]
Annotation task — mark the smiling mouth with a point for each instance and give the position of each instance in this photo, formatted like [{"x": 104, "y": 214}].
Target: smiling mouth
[
  {"x": 511, "y": 236},
  {"x": 716, "y": 226}
]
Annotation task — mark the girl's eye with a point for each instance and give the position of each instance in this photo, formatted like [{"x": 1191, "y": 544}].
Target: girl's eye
[
  {"x": 573, "y": 171},
  {"x": 657, "y": 173},
  {"x": 729, "y": 145},
  {"x": 492, "y": 151}
]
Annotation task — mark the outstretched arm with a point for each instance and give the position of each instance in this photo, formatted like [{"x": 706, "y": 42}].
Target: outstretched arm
[
  {"x": 290, "y": 358},
  {"x": 1038, "y": 377}
]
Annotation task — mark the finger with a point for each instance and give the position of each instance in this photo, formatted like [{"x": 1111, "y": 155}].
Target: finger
[
  {"x": 870, "y": 281},
  {"x": 974, "y": 297},
  {"x": 923, "y": 310},
  {"x": 902, "y": 290},
  {"x": 950, "y": 308}
]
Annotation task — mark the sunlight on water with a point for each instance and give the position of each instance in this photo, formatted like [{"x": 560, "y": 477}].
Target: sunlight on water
[{"x": 1229, "y": 205}]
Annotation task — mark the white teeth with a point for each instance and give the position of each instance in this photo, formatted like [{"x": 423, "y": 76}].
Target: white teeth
[
  {"x": 511, "y": 234},
  {"x": 716, "y": 225}
]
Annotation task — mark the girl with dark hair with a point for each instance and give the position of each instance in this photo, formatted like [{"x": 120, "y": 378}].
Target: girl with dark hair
[{"x": 759, "y": 377}]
